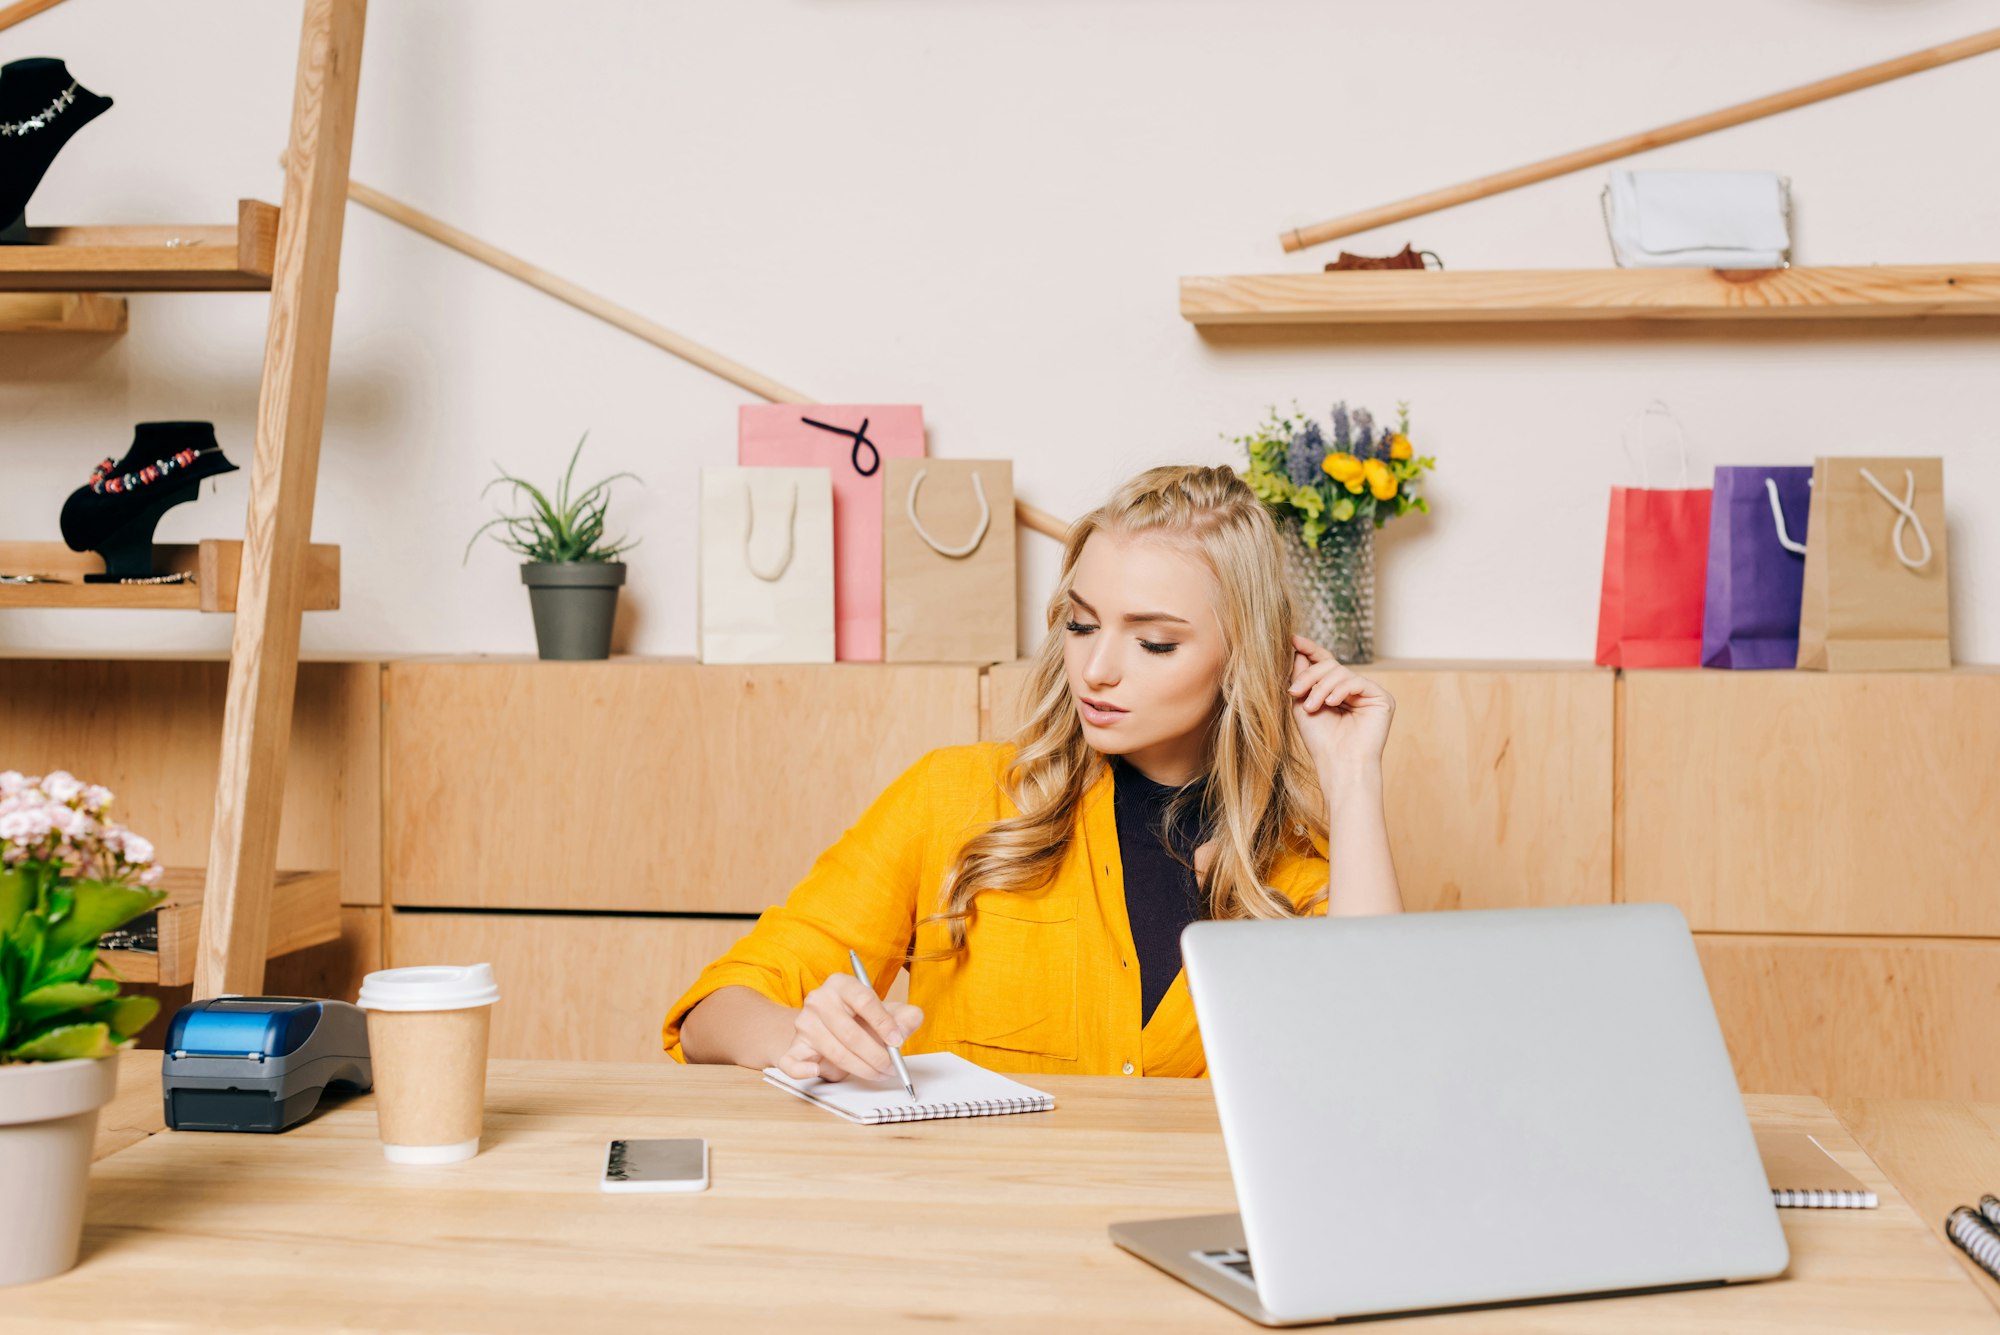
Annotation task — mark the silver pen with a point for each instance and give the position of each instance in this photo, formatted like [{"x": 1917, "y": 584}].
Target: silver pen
[{"x": 895, "y": 1049}]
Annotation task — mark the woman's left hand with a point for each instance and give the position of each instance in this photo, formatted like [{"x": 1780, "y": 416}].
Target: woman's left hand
[{"x": 1343, "y": 716}]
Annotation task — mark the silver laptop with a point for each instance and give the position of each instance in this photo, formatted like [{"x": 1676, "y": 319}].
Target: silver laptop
[{"x": 1439, "y": 1110}]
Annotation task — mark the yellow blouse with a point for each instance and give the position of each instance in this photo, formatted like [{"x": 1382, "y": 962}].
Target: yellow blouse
[{"x": 1048, "y": 981}]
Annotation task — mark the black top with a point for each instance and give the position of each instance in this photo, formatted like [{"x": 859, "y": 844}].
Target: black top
[{"x": 1161, "y": 897}]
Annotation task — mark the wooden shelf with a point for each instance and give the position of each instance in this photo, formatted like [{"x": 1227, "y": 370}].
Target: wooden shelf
[
  {"x": 1428, "y": 296},
  {"x": 232, "y": 257},
  {"x": 305, "y": 911},
  {"x": 61, "y": 313},
  {"x": 215, "y": 563}
]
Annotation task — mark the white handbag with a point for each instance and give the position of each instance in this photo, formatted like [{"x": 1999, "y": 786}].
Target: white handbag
[
  {"x": 766, "y": 565},
  {"x": 1699, "y": 219}
]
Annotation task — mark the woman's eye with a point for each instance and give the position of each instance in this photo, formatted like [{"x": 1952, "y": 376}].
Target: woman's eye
[
  {"x": 1153, "y": 648},
  {"x": 1078, "y": 628}
]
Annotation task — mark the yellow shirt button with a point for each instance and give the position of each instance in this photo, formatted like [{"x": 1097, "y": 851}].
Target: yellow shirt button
[{"x": 1128, "y": 1068}]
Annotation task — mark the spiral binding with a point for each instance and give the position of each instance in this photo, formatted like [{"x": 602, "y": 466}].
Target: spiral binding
[
  {"x": 1990, "y": 1207},
  {"x": 1824, "y": 1200},
  {"x": 977, "y": 1108},
  {"x": 1969, "y": 1229}
]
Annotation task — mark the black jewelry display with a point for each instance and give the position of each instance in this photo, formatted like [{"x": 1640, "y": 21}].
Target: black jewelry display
[
  {"x": 41, "y": 107},
  {"x": 114, "y": 514}
]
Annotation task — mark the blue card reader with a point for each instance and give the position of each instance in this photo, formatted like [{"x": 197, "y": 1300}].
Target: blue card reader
[{"x": 260, "y": 1063}]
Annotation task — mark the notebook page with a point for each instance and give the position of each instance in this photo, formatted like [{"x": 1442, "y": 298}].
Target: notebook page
[
  {"x": 947, "y": 1086},
  {"x": 1803, "y": 1174}
]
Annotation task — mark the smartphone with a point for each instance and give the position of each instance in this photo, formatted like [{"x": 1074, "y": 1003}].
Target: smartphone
[{"x": 656, "y": 1165}]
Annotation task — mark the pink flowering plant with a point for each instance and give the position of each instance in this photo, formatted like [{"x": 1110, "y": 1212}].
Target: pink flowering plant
[{"x": 68, "y": 875}]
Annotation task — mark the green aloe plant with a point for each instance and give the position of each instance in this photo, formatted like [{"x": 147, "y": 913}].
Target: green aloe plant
[{"x": 569, "y": 528}]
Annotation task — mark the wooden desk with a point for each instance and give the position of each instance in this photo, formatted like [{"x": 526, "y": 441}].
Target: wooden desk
[
  {"x": 811, "y": 1224},
  {"x": 1939, "y": 1155}
]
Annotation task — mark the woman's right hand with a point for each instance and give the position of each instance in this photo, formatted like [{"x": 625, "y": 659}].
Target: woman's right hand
[{"x": 844, "y": 1029}]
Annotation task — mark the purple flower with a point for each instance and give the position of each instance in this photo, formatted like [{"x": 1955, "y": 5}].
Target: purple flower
[
  {"x": 1303, "y": 456},
  {"x": 1364, "y": 433},
  {"x": 1342, "y": 437}
]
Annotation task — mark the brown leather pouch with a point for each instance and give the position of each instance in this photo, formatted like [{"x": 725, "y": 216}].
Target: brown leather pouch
[{"x": 1406, "y": 258}]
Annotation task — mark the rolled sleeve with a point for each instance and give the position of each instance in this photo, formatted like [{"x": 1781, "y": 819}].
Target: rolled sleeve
[{"x": 861, "y": 893}]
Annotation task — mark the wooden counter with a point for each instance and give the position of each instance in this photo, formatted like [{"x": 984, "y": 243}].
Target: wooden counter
[{"x": 811, "y": 1223}]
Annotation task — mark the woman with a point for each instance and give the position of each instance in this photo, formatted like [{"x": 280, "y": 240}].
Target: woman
[{"x": 1186, "y": 756}]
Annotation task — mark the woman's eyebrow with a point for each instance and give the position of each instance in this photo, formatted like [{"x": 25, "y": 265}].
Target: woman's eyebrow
[{"x": 1131, "y": 618}]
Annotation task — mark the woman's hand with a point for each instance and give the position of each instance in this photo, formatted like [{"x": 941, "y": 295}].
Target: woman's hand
[
  {"x": 844, "y": 1029},
  {"x": 1343, "y": 716}
]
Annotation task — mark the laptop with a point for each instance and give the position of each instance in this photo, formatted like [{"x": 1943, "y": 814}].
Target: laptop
[{"x": 1438, "y": 1110}]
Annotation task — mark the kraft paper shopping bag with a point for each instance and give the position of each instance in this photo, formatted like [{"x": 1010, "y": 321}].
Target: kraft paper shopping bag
[
  {"x": 948, "y": 561},
  {"x": 1756, "y": 567},
  {"x": 851, "y": 440},
  {"x": 1876, "y": 596},
  {"x": 766, "y": 565}
]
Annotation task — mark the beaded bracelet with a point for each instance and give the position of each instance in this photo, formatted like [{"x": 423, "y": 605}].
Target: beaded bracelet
[{"x": 102, "y": 481}]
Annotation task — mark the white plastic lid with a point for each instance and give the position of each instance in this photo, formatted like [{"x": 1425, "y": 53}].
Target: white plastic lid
[{"x": 430, "y": 987}]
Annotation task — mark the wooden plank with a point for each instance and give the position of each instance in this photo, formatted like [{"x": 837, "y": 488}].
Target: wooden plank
[
  {"x": 137, "y": 1110},
  {"x": 1815, "y": 802},
  {"x": 284, "y": 471},
  {"x": 215, "y": 563},
  {"x": 707, "y": 788},
  {"x": 1859, "y": 1016},
  {"x": 1417, "y": 296},
  {"x": 616, "y": 976},
  {"x": 24, "y": 9},
  {"x": 1939, "y": 1155},
  {"x": 1498, "y": 781},
  {"x": 154, "y": 257},
  {"x": 305, "y": 911},
  {"x": 61, "y": 313},
  {"x": 810, "y": 1223}
]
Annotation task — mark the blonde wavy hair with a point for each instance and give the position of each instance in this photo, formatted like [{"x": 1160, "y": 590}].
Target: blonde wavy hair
[{"x": 1259, "y": 778}]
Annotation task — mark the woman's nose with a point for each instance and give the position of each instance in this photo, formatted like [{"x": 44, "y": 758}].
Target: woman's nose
[{"x": 1101, "y": 668}]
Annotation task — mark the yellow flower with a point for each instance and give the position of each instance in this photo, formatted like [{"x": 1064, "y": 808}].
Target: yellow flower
[
  {"x": 1355, "y": 484},
  {"x": 1342, "y": 468},
  {"x": 1399, "y": 446},
  {"x": 1384, "y": 488},
  {"x": 1374, "y": 471}
]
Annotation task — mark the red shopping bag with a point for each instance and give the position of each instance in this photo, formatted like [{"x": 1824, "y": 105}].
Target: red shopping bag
[
  {"x": 852, "y": 440},
  {"x": 1655, "y": 574}
]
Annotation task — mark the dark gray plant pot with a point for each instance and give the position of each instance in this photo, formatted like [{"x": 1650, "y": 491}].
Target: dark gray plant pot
[{"x": 574, "y": 603}]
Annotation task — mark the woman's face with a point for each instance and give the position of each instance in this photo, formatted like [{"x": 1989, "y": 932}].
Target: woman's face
[{"x": 1144, "y": 653}]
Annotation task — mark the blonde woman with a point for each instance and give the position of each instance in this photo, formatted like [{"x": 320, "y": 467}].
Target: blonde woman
[{"x": 1186, "y": 756}]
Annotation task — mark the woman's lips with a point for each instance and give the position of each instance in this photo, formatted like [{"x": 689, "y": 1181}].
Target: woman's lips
[{"x": 1099, "y": 713}]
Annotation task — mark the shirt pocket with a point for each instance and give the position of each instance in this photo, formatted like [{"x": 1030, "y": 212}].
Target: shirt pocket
[{"x": 1015, "y": 986}]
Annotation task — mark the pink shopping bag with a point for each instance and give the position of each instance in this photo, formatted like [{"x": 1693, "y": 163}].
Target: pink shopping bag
[{"x": 852, "y": 440}]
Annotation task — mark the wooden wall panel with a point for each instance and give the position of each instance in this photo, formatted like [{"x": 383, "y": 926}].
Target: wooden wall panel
[
  {"x": 644, "y": 784},
  {"x": 1499, "y": 780},
  {"x": 582, "y": 987},
  {"x": 151, "y": 731},
  {"x": 1865, "y": 803},
  {"x": 1854, "y": 1017}
]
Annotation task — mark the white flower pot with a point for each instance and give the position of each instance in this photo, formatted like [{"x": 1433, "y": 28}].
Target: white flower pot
[{"x": 48, "y": 1124}]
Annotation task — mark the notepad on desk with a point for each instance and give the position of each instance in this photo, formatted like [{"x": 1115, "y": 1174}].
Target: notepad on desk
[
  {"x": 1804, "y": 1176},
  {"x": 947, "y": 1086}
]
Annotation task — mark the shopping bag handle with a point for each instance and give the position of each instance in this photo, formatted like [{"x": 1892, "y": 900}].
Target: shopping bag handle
[
  {"x": 1778, "y": 514},
  {"x": 1906, "y": 515},
  {"x": 978, "y": 534},
  {"x": 750, "y": 528},
  {"x": 1657, "y": 409}
]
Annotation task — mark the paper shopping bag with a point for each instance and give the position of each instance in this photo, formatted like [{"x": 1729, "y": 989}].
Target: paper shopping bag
[
  {"x": 1875, "y": 592},
  {"x": 852, "y": 440},
  {"x": 1655, "y": 564},
  {"x": 948, "y": 561},
  {"x": 1756, "y": 567},
  {"x": 766, "y": 565}
]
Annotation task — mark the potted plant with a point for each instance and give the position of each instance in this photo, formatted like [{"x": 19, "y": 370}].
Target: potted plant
[
  {"x": 572, "y": 572},
  {"x": 67, "y": 876},
  {"x": 1329, "y": 492}
]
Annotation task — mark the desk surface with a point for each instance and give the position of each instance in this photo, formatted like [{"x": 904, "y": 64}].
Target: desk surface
[{"x": 811, "y": 1223}]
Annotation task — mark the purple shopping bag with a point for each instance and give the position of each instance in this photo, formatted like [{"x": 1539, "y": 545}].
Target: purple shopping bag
[{"x": 1756, "y": 567}]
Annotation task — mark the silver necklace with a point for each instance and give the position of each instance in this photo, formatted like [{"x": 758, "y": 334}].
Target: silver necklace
[{"x": 9, "y": 130}]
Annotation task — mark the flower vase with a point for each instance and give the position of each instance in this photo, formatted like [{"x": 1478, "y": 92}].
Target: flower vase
[{"x": 1335, "y": 586}]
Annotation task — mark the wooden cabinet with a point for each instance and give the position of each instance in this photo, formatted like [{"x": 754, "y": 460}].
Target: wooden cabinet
[
  {"x": 649, "y": 785},
  {"x": 573, "y": 987},
  {"x": 1863, "y": 803},
  {"x": 1498, "y": 780}
]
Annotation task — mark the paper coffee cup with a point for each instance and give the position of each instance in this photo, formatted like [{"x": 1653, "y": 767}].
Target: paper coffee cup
[{"x": 427, "y": 1030}]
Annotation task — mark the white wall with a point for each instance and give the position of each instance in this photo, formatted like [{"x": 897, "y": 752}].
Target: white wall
[{"x": 982, "y": 206}]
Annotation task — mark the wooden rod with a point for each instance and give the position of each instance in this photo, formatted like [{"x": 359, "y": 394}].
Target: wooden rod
[
  {"x": 24, "y": 9},
  {"x": 1914, "y": 63},
  {"x": 629, "y": 320}
]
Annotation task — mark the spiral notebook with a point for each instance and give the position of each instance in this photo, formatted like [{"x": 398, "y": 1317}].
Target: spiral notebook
[
  {"x": 947, "y": 1086},
  {"x": 1804, "y": 1176}
]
